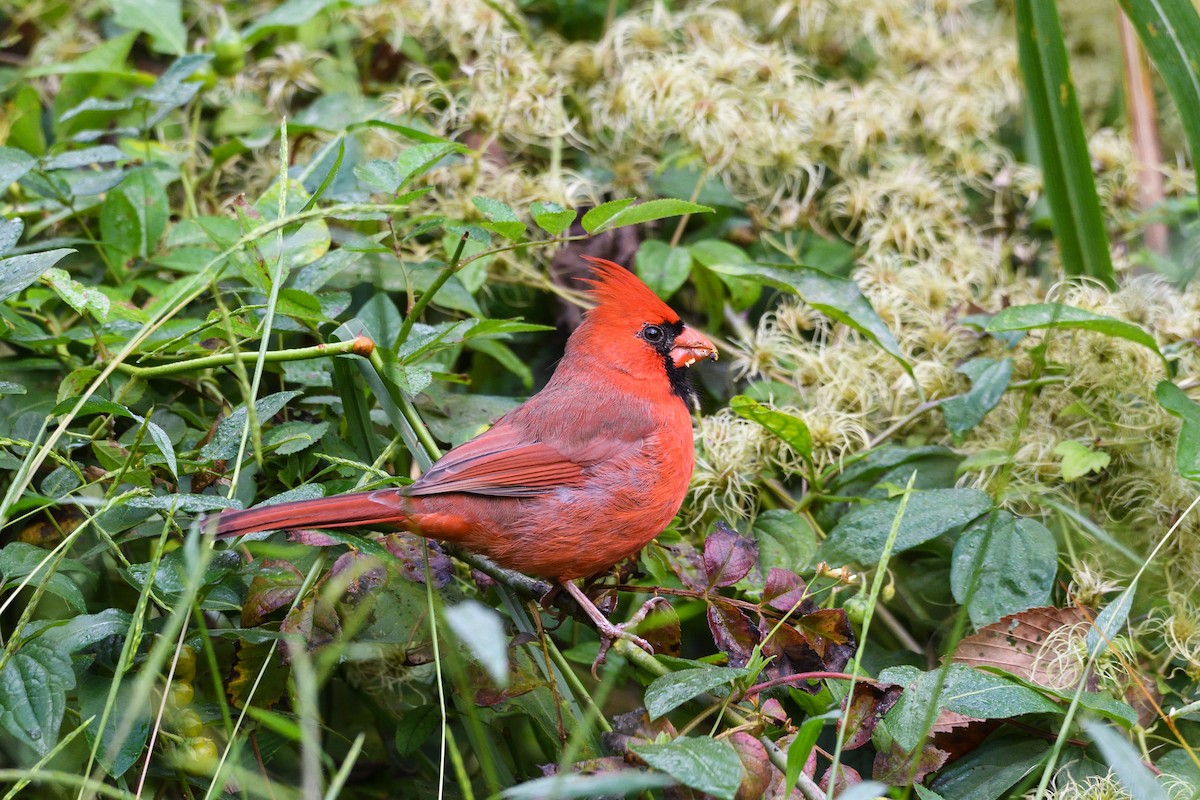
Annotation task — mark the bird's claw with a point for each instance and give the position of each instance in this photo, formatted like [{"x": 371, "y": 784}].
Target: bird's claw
[{"x": 609, "y": 633}]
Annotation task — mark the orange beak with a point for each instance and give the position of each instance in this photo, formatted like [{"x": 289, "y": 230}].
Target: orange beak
[{"x": 691, "y": 347}]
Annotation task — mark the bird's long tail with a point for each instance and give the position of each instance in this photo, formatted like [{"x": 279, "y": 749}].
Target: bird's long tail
[{"x": 361, "y": 509}]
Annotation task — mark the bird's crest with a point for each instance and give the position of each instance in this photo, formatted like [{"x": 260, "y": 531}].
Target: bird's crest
[{"x": 616, "y": 289}]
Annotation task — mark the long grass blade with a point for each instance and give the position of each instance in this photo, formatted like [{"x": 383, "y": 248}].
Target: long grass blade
[{"x": 1066, "y": 165}]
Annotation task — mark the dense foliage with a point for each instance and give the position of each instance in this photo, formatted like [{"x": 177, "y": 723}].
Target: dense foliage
[{"x": 940, "y": 540}]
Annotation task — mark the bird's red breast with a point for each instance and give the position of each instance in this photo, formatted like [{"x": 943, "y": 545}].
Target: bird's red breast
[{"x": 581, "y": 476}]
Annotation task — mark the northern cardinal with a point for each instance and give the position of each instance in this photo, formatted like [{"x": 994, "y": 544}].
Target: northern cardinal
[{"x": 581, "y": 476}]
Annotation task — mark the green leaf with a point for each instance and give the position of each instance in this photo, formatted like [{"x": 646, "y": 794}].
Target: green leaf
[
  {"x": 1125, "y": 761},
  {"x": 860, "y": 534},
  {"x": 1012, "y": 562},
  {"x": 10, "y": 233},
  {"x": 225, "y": 442},
  {"x": 85, "y": 630},
  {"x": 482, "y": 631},
  {"x": 989, "y": 379},
  {"x": 418, "y": 159},
  {"x": 33, "y": 694},
  {"x": 1110, "y": 621},
  {"x": 619, "y": 213},
  {"x": 663, "y": 268},
  {"x": 1066, "y": 164},
  {"x": 1177, "y": 403},
  {"x": 620, "y": 783},
  {"x": 976, "y": 462},
  {"x": 18, "y": 559},
  {"x": 1078, "y": 460},
  {"x": 799, "y": 750},
  {"x": 116, "y": 756},
  {"x": 1169, "y": 30},
  {"x": 705, "y": 764},
  {"x": 1060, "y": 315},
  {"x": 162, "y": 19},
  {"x": 990, "y": 771},
  {"x": 18, "y": 272},
  {"x": 14, "y": 164},
  {"x": 965, "y": 691},
  {"x": 837, "y": 298},
  {"x": 79, "y": 297},
  {"x": 788, "y": 427},
  {"x": 785, "y": 540},
  {"x": 672, "y": 690},
  {"x": 295, "y": 436},
  {"x": 501, "y": 218},
  {"x": 552, "y": 218},
  {"x": 503, "y": 354}
]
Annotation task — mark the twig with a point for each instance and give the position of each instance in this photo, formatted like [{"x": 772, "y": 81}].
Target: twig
[{"x": 362, "y": 346}]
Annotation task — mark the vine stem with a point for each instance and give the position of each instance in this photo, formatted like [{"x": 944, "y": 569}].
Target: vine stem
[
  {"x": 418, "y": 307},
  {"x": 361, "y": 346}
]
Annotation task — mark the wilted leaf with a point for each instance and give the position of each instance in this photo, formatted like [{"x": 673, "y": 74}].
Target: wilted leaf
[
  {"x": 315, "y": 621},
  {"x": 732, "y": 631},
  {"x": 1024, "y": 644},
  {"x": 896, "y": 767},
  {"x": 358, "y": 572},
  {"x": 275, "y": 584},
  {"x": 785, "y": 591},
  {"x": 248, "y": 662},
  {"x": 870, "y": 702},
  {"x": 410, "y": 549}
]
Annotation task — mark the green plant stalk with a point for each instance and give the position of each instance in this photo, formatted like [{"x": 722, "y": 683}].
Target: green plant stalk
[
  {"x": 64, "y": 779},
  {"x": 418, "y": 307},
  {"x": 876, "y": 588},
  {"x": 361, "y": 346},
  {"x": 38, "y": 768},
  {"x": 1054, "y": 112}
]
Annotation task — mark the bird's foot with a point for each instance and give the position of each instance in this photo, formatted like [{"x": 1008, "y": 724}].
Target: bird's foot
[{"x": 610, "y": 632}]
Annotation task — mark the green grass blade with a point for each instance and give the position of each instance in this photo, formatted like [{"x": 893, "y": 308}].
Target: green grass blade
[
  {"x": 1066, "y": 165},
  {"x": 1170, "y": 32}
]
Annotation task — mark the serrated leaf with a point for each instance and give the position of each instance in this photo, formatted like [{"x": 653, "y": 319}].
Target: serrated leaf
[
  {"x": 33, "y": 694},
  {"x": 419, "y": 158},
  {"x": 788, "y": 427},
  {"x": 838, "y": 298},
  {"x": 18, "y": 559},
  {"x": 965, "y": 691},
  {"x": 1061, "y": 315},
  {"x": 1078, "y": 460},
  {"x": 552, "y": 218},
  {"x": 672, "y": 690},
  {"x": 860, "y": 534},
  {"x": 1011, "y": 561},
  {"x": 18, "y": 272},
  {"x": 295, "y": 436},
  {"x": 705, "y": 764},
  {"x": 482, "y": 631}
]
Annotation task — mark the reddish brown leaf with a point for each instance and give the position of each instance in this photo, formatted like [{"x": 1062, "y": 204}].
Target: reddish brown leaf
[
  {"x": 756, "y": 765},
  {"x": 728, "y": 556},
  {"x": 664, "y": 637},
  {"x": 410, "y": 550},
  {"x": 831, "y": 635},
  {"x": 315, "y": 621},
  {"x": 732, "y": 632},
  {"x": 1025, "y": 644},
  {"x": 785, "y": 591},
  {"x": 791, "y": 653},
  {"x": 898, "y": 768},
  {"x": 847, "y": 777},
  {"x": 869, "y": 704},
  {"x": 312, "y": 538},
  {"x": 358, "y": 572},
  {"x": 274, "y": 585}
]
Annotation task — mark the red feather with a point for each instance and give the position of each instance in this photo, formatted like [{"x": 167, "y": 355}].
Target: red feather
[{"x": 581, "y": 476}]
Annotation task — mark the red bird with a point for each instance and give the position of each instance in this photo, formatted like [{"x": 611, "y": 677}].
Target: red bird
[{"x": 581, "y": 476}]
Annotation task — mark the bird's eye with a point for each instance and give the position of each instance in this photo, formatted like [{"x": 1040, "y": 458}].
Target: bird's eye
[{"x": 652, "y": 334}]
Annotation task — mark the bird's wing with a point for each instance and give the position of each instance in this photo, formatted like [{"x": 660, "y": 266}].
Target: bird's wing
[{"x": 503, "y": 463}]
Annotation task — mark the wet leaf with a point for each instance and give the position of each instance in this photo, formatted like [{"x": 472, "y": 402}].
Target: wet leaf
[
  {"x": 702, "y": 763},
  {"x": 989, "y": 380},
  {"x": 315, "y": 621},
  {"x": 275, "y": 584},
  {"x": 788, "y": 427},
  {"x": 1019, "y": 643},
  {"x": 1011, "y": 561},
  {"x": 1060, "y": 315},
  {"x": 785, "y": 591},
  {"x": 870, "y": 702},
  {"x": 33, "y": 694},
  {"x": 732, "y": 631},
  {"x": 672, "y": 690}
]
